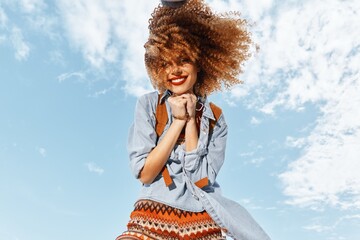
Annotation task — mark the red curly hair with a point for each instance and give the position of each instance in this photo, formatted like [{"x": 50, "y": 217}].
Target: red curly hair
[{"x": 217, "y": 43}]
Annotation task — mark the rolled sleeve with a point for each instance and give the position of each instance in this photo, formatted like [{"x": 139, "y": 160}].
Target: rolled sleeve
[
  {"x": 206, "y": 161},
  {"x": 142, "y": 135}
]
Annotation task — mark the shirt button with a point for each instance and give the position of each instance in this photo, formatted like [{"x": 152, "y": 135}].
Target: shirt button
[{"x": 196, "y": 197}]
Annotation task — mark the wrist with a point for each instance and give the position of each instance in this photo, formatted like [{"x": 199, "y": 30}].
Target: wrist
[
  {"x": 191, "y": 125},
  {"x": 180, "y": 122},
  {"x": 182, "y": 118},
  {"x": 191, "y": 120}
]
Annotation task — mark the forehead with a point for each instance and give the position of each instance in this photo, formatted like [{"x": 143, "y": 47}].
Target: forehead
[
  {"x": 174, "y": 59},
  {"x": 172, "y": 55}
]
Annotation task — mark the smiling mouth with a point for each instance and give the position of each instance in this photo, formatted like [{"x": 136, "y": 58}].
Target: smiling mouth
[{"x": 177, "y": 81}]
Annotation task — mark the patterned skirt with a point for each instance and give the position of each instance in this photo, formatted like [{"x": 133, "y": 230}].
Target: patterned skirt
[{"x": 156, "y": 221}]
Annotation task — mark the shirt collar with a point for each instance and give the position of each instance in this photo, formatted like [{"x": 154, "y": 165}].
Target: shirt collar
[
  {"x": 165, "y": 95},
  {"x": 207, "y": 112}
]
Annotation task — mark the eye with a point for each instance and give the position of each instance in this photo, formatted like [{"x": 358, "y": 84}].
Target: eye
[
  {"x": 163, "y": 64},
  {"x": 185, "y": 60}
]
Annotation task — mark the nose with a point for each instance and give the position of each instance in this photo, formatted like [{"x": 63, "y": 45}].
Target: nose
[{"x": 176, "y": 69}]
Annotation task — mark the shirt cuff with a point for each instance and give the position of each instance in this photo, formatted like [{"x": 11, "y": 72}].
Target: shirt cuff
[{"x": 191, "y": 158}]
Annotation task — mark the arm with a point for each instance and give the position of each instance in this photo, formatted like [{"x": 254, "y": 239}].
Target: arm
[
  {"x": 191, "y": 135},
  {"x": 146, "y": 158},
  {"x": 206, "y": 161},
  {"x": 157, "y": 158},
  {"x": 191, "y": 132}
]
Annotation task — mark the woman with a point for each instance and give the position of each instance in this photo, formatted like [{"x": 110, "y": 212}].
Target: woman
[{"x": 177, "y": 142}]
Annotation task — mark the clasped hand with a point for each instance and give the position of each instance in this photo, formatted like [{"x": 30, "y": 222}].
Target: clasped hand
[{"x": 183, "y": 106}]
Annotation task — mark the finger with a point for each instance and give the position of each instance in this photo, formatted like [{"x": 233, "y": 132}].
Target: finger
[
  {"x": 178, "y": 102},
  {"x": 193, "y": 98},
  {"x": 190, "y": 97},
  {"x": 176, "y": 98}
]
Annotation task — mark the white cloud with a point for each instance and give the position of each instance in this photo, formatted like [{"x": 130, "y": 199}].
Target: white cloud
[
  {"x": 255, "y": 121},
  {"x": 252, "y": 9},
  {"x": 133, "y": 31},
  {"x": 31, "y": 6},
  {"x": 36, "y": 15},
  {"x": 111, "y": 32},
  {"x": 3, "y": 17},
  {"x": 57, "y": 57},
  {"x": 104, "y": 91},
  {"x": 318, "y": 228},
  {"x": 79, "y": 75},
  {"x": 42, "y": 151},
  {"x": 89, "y": 29},
  {"x": 324, "y": 49},
  {"x": 295, "y": 142},
  {"x": 30, "y": 12},
  {"x": 22, "y": 48},
  {"x": 93, "y": 167},
  {"x": 309, "y": 53},
  {"x": 247, "y": 154},
  {"x": 2, "y": 38},
  {"x": 249, "y": 203},
  {"x": 256, "y": 161},
  {"x": 342, "y": 221}
]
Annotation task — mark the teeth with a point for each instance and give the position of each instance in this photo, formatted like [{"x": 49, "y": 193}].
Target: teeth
[{"x": 178, "y": 80}]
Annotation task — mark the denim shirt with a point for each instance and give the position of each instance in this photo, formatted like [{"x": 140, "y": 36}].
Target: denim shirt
[{"x": 186, "y": 168}]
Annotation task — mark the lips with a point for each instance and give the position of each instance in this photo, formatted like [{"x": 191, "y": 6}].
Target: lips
[{"x": 178, "y": 80}]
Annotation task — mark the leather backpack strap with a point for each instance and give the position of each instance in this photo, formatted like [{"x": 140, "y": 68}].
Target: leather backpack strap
[
  {"x": 166, "y": 175},
  {"x": 202, "y": 182},
  {"x": 161, "y": 117},
  {"x": 161, "y": 120},
  {"x": 217, "y": 112}
]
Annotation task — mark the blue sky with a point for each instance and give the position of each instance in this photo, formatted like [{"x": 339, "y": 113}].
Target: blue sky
[{"x": 70, "y": 73}]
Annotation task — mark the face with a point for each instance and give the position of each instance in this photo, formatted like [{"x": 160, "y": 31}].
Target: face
[{"x": 180, "y": 76}]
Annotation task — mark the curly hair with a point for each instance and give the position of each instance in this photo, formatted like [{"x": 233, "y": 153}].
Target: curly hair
[{"x": 217, "y": 43}]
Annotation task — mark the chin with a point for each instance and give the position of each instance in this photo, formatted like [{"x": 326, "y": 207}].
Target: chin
[{"x": 179, "y": 92}]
